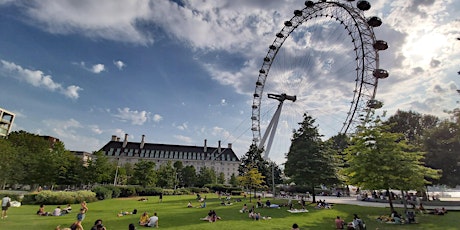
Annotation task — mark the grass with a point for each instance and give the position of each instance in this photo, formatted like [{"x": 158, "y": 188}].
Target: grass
[{"x": 173, "y": 214}]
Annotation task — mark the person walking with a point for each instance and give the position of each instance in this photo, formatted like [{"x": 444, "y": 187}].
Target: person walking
[{"x": 6, "y": 203}]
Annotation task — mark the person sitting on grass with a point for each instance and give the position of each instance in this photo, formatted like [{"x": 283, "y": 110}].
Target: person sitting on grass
[
  {"x": 98, "y": 225},
  {"x": 189, "y": 205},
  {"x": 144, "y": 219},
  {"x": 153, "y": 221},
  {"x": 57, "y": 211},
  {"x": 41, "y": 211},
  {"x": 295, "y": 227},
  {"x": 244, "y": 209},
  {"x": 67, "y": 209},
  {"x": 339, "y": 223}
]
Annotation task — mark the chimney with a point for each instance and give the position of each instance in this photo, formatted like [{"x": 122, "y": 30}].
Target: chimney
[
  {"x": 230, "y": 145},
  {"x": 142, "y": 142},
  {"x": 125, "y": 142},
  {"x": 205, "y": 145},
  {"x": 118, "y": 139},
  {"x": 114, "y": 138},
  {"x": 218, "y": 148}
]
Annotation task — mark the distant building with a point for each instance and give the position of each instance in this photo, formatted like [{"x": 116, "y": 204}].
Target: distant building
[
  {"x": 84, "y": 156},
  {"x": 6, "y": 122},
  {"x": 52, "y": 140},
  {"x": 220, "y": 159}
]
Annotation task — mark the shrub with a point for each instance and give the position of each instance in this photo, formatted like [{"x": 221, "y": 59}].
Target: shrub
[
  {"x": 127, "y": 191},
  {"x": 102, "y": 193},
  {"x": 49, "y": 197},
  {"x": 149, "y": 191}
]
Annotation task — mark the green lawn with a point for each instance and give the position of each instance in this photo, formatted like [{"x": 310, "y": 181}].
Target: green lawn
[{"x": 173, "y": 214}]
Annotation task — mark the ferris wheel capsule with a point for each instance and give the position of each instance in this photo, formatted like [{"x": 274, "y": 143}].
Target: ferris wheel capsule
[
  {"x": 380, "y": 45},
  {"x": 374, "y": 21},
  {"x": 363, "y": 5}
]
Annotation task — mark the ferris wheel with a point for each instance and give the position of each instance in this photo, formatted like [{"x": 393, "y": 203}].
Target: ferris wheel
[{"x": 323, "y": 62}]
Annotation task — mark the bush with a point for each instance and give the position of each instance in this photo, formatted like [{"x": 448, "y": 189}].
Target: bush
[
  {"x": 127, "y": 191},
  {"x": 150, "y": 191},
  {"x": 49, "y": 197},
  {"x": 102, "y": 193}
]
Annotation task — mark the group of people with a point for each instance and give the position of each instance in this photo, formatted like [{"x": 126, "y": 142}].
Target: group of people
[
  {"x": 323, "y": 204},
  {"x": 56, "y": 212},
  {"x": 356, "y": 224},
  {"x": 149, "y": 221},
  {"x": 211, "y": 217}
]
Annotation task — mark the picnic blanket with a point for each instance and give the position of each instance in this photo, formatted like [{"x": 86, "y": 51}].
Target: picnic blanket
[{"x": 297, "y": 210}]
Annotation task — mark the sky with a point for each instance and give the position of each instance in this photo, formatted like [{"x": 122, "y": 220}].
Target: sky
[{"x": 180, "y": 72}]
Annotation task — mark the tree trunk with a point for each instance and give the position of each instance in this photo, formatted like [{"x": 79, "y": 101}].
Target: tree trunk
[
  {"x": 313, "y": 194},
  {"x": 404, "y": 201},
  {"x": 390, "y": 200}
]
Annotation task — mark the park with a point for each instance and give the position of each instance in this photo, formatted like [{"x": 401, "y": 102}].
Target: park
[{"x": 174, "y": 214}]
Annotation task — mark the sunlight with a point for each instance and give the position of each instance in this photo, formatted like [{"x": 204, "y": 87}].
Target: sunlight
[{"x": 420, "y": 50}]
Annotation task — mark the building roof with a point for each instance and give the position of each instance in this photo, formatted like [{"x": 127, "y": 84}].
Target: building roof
[{"x": 211, "y": 153}]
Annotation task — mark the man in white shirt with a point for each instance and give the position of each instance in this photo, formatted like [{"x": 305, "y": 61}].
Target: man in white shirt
[
  {"x": 153, "y": 221},
  {"x": 6, "y": 202},
  {"x": 57, "y": 211}
]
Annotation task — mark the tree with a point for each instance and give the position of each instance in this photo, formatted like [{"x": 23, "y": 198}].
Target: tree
[
  {"x": 252, "y": 179},
  {"x": 189, "y": 176},
  {"x": 233, "y": 180},
  {"x": 166, "y": 175},
  {"x": 144, "y": 173},
  {"x": 101, "y": 169},
  {"x": 179, "y": 167},
  {"x": 206, "y": 176},
  {"x": 221, "y": 178},
  {"x": 442, "y": 144},
  {"x": 394, "y": 163},
  {"x": 7, "y": 163},
  {"x": 254, "y": 158},
  {"x": 308, "y": 163},
  {"x": 412, "y": 124},
  {"x": 37, "y": 163}
]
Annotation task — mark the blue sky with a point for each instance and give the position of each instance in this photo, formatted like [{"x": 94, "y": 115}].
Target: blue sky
[{"x": 184, "y": 71}]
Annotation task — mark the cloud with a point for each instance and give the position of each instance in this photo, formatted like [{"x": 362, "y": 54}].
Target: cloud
[
  {"x": 104, "y": 19},
  {"x": 133, "y": 116},
  {"x": 95, "y": 129},
  {"x": 186, "y": 140},
  {"x": 37, "y": 78},
  {"x": 119, "y": 64},
  {"x": 98, "y": 68},
  {"x": 70, "y": 132},
  {"x": 182, "y": 126},
  {"x": 157, "y": 118}
]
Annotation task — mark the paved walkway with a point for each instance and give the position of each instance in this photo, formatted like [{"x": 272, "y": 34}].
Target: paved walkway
[{"x": 353, "y": 201}]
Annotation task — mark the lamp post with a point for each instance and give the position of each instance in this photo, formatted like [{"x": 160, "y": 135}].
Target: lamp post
[{"x": 116, "y": 175}]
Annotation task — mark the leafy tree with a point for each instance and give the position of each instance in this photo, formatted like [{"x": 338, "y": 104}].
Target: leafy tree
[
  {"x": 337, "y": 145},
  {"x": 380, "y": 159},
  {"x": 254, "y": 158},
  {"x": 252, "y": 179},
  {"x": 144, "y": 173},
  {"x": 8, "y": 163},
  {"x": 206, "y": 176},
  {"x": 179, "y": 167},
  {"x": 233, "y": 180},
  {"x": 442, "y": 144},
  {"x": 101, "y": 169},
  {"x": 166, "y": 175},
  {"x": 221, "y": 178},
  {"x": 189, "y": 176},
  {"x": 308, "y": 163},
  {"x": 411, "y": 124},
  {"x": 37, "y": 164}
]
